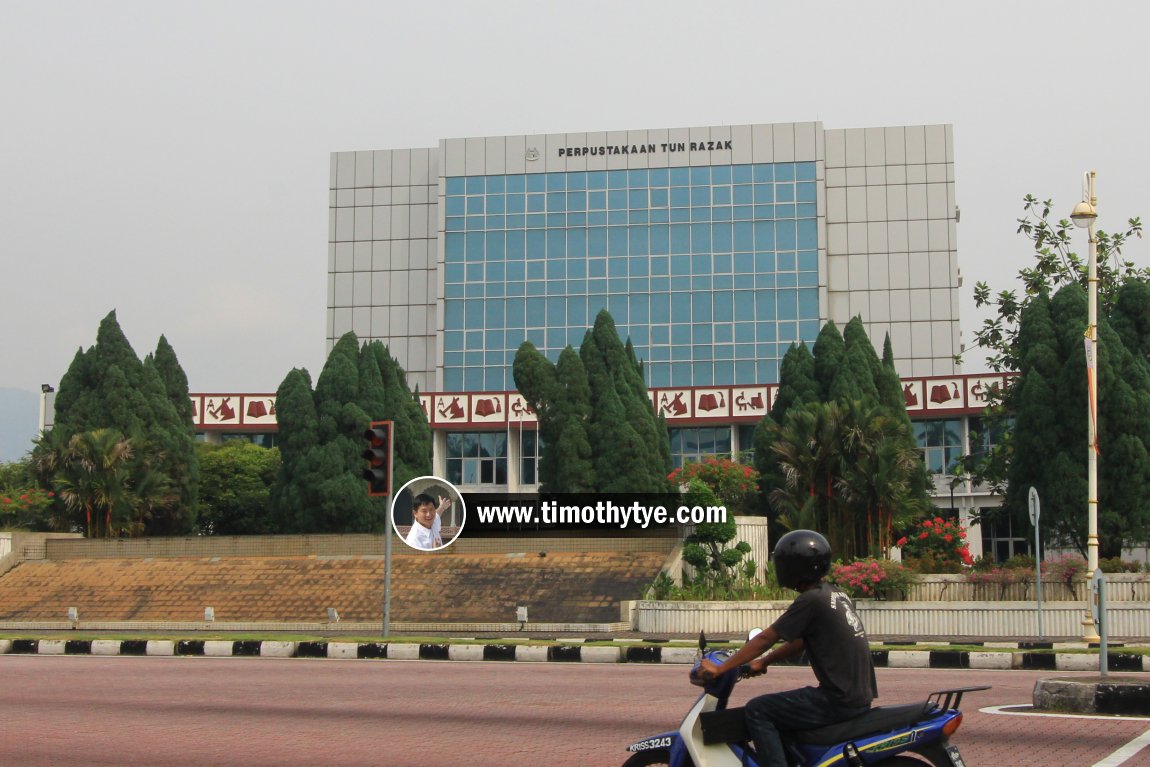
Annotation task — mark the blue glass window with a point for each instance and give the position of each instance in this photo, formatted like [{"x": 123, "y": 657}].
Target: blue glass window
[{"x": 701, "y": 238}]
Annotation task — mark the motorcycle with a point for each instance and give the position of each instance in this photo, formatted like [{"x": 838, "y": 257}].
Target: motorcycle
[{"x": 712, "y": 735}]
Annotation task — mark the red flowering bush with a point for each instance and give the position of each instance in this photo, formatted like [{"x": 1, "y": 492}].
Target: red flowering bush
[
  {"x": 24, "y": 507},
  {"x": 871, "y": 577},
  {"x": 939, "y": 541},
  {"x": 734, "y": 484}
]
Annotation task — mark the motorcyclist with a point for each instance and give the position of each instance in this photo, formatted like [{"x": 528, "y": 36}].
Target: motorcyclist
[{"x": 822, "y": 623}]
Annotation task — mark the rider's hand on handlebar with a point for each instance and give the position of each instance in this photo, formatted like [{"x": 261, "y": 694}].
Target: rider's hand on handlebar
[
  {"x": 757, "y": 667},
  {"x": 705, "y": 672}
]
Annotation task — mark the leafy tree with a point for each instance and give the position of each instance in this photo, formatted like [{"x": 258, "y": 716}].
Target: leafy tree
[
  {"x": 235, "y": 488},
  {"x": 1041, "y": 338},
  {"x": 1055, "y": 265}
]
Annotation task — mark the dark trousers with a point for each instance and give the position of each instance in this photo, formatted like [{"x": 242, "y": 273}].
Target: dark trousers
[{"x": 802, "y": 709}]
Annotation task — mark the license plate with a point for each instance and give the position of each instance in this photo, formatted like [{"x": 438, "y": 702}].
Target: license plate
[{"x": 955, "y": 757}]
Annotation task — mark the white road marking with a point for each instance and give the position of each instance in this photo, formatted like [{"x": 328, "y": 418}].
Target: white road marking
[
  {"x": 1119, "y": 757},
  {"x": 1025, "y": 709},
  {"x": 1127, "y": 751}
]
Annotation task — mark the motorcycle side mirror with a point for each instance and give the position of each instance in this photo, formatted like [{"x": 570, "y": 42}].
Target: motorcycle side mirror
[
  {"x": 753, "y": 633},
  {"x": 702, "y": 642}
]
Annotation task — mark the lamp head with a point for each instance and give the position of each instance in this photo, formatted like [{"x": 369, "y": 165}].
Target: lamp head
[{"x": 1083, "y": 214}]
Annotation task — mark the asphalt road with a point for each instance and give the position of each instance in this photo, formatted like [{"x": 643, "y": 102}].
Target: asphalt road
[{"x": 79, "y": 711}]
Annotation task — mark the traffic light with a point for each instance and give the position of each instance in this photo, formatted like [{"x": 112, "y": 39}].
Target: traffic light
[{"x": 378, "y": 455}]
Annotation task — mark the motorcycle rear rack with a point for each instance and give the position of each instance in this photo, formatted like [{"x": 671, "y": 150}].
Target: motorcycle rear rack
[{"x": 945, "y": 700}]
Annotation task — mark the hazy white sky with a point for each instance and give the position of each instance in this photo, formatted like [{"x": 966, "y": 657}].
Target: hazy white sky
[{"x": 170, "y": 161}]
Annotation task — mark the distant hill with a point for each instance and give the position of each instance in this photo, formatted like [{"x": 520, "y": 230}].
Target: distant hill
[{"x": 19, "y": 423}]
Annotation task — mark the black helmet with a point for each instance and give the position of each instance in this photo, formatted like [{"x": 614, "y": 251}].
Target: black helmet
[{"x": 801, "y": 556}]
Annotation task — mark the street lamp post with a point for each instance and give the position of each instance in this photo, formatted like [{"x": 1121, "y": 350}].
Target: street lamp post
[{"x": 1084, "y": 215}]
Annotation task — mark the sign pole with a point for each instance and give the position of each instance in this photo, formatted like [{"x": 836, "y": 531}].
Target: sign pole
[
  {"x": 387, "y": 533},
  {"x": 1098, "y": 586},
  {"x": 1035, "y": 514}
]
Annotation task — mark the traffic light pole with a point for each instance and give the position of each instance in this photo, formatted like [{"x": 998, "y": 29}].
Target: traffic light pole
[{"x": 380, "y": 454}]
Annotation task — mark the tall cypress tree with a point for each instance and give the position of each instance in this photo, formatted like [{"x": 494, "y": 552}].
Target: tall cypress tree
[
  {"x": 572, "y": 455},
  {"x": 109, "y": 387},
  {"x": 829, "y": 350},
  {"x": 609, "y": 368},
  {"x": 297, "y": 437},
  {"x": 855, "y": 379},
  {"x": 320, "y": 488}
]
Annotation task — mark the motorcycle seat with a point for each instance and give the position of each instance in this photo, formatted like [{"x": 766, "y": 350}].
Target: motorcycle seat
[{"x": 876, "y": 720}]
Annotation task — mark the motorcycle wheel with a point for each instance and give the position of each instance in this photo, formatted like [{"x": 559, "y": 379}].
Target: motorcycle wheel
[{"x": 656, "y": 757}]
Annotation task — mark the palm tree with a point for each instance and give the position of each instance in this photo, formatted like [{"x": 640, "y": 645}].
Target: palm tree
[
  {"x": 91, "y": 474},
  {"x": 881, "y": 464},
  {"x": 807, "y": 450},
  {"x": 106, "y": 482}
]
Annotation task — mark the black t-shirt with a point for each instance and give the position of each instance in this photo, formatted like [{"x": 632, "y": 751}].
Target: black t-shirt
[{"x": 835, "y": 641}]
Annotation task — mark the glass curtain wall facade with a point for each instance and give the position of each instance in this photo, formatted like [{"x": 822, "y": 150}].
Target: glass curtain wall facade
[{"x": 712, "y": 272}]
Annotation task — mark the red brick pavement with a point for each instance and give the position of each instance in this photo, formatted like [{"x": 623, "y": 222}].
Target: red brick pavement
[{"x": 193, "y": 712}]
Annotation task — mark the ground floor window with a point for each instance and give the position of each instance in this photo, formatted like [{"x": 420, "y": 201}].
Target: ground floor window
[
  {"x": 1000, "y": 539},
  {"x": 696, "y": 444},
  {"x": 477, "y": 458},
  {"x": 529, "y": 447}
]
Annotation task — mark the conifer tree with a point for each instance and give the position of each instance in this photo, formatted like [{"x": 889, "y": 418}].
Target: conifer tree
[
  {"x": 829, "y": 350},
  {"x": 109, "y": 387},
  {"x": 320, "y": 488}
]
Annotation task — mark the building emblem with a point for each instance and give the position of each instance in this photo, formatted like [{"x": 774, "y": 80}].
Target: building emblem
[{"x": 532, "y": 154}]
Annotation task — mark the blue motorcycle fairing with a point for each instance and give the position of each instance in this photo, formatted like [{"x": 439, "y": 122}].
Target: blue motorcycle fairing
[{"x": 876, "y": 747}]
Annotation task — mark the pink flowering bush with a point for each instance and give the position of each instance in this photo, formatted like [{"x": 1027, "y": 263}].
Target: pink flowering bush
[
  {"x": 941, "y": 542},
  {"x": 1067, "y": 569},
  {"x": 1001, "y": 577},
  {"x": 871, "y": 578}
]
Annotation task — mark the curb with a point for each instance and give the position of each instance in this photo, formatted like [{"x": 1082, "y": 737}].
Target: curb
[{"x": 558, "y": 653}]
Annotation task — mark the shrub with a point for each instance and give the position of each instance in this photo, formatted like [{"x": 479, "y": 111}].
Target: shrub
[
  {"x": 942, "y": 540},
  {"x": 871, "y": 577},
  {"x": 932, "y": 563},
  {"x": 1002, "y": 577},
  {"x": 1067, "y": 569},
  {"x": 1116, "y": 565},
  {"x": 1020, "y": 561}
]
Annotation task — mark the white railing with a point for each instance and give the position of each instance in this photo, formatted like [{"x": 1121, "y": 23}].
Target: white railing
[{"x": 975, "y": 621}]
